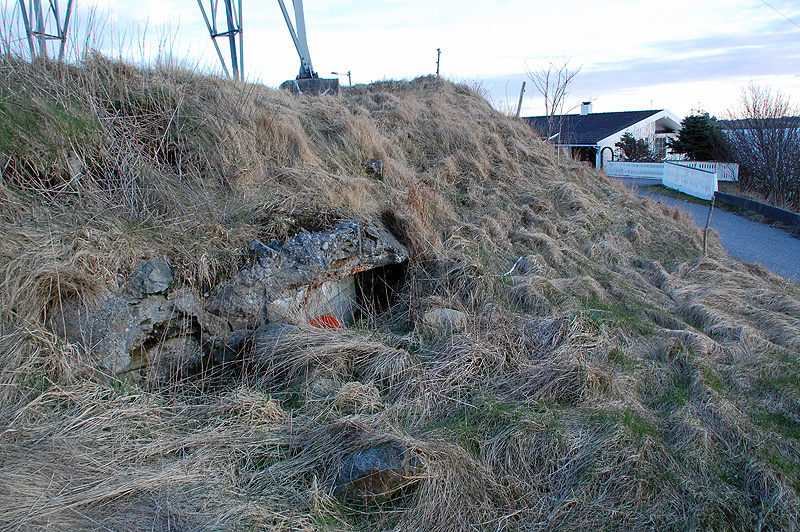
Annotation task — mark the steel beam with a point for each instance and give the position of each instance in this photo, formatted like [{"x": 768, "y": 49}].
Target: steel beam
[
  {"x": 26, "y": 22},
  {"x": 35, "y": 22},
  {"x": 299, "y": 38},
  {"x": 233, "y": 20}
]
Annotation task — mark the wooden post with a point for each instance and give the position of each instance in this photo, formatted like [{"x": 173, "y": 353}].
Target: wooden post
[
  {"x": 705, "y": 230},
  {"x": 519, "y": 105},
  {"x": 438, "y": 57}
]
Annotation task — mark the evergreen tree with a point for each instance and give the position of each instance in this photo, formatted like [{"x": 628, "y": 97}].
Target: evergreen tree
[
  {"x": 700, "y": 138},
  {"x": 629, "y": 148}
]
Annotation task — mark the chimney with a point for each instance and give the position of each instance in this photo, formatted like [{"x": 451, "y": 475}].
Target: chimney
[{"x": 586, "y": 108}]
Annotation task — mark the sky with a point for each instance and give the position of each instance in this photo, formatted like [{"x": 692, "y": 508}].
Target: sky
[{"x": 681, "y": 55}]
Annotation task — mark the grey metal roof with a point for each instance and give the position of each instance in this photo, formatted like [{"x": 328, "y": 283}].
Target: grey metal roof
[{"x": 588, "y": 130}]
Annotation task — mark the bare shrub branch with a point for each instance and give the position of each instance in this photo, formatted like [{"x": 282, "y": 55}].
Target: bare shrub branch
[
  {"x": 764, "y": 136},
  {"x": 553, "y": 82}
]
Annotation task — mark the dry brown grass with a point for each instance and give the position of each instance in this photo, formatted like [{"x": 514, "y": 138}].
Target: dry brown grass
[{"x": 608, "y": 377}]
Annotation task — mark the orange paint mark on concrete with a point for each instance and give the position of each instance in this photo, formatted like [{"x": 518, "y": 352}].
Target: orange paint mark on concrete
[{"x": 326, "y": 321}]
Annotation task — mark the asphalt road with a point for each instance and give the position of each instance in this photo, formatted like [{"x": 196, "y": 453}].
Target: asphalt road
[{"x": 743, "y": 239}]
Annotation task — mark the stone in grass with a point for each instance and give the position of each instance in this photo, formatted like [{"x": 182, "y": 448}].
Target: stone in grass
[
  {"x": 257, "y": 248},
  {"x": 374, "y": 167},
  {"x": 270, "y": 337},
  {"x": 148, "y": 277},
  {"x": 446, "y": 319},
  {"x": 229, "y": 347},
  {"x": 376, "y": 472},
  {"x": 111, "y": 328},
  {"x": 174, "y": 358}
]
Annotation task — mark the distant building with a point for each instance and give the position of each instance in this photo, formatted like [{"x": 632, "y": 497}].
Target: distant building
[
  {"x": 785, "y": 123},
  {"x": 584, "y": 136}
]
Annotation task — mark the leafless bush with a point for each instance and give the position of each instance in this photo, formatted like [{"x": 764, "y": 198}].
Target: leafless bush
[
  {"x": 553, "y": 82},
  {"x": 764, "y": 136}
]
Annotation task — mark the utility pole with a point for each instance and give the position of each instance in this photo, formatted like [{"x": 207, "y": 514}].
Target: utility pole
[
  {"x": 349, "y": 79},
  {"x": 306, "y": 82},
  {"x": 438, "y": 57},
  {"x": 519, "y": 105}
]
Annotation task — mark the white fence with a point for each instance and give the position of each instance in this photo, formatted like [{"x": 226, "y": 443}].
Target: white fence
[
  {"x": 634, "y": 170},
  {"x": 724, "y": 171},
  {"x": 693, "y": 181},
  {"x": 697, "y": 178}
]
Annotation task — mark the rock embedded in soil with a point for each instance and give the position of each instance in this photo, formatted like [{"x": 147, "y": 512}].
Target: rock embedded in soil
[
  {"x": 374, "y": 167},
  {"x": 111, "y": 327},
  {"x": 228, "y": 347},
  {"x": 376, "y": 472},
  {"x": 268, "y": 338},
  {"x": 118, "y": 330},
  {"x": 147, "y": 278},
  {"x": 257, "y": 248},
  {"x": 174, "y": 357}
]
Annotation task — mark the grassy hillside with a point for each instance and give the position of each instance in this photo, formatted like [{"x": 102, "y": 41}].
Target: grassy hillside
[{"x": 615, "y": 379}]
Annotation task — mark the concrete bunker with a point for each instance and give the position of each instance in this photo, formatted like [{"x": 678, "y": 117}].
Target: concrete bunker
[{"x": 327, "y": 279}]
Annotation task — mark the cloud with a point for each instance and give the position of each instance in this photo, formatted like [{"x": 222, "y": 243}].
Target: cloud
[
  {"x": 680, "y": 74},
  {"x": 700, "y": 60}
]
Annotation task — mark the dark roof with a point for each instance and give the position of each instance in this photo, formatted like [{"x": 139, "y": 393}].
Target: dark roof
[
  {"x": 786, "y": 122},
  {"x": 588, "y": 130}
]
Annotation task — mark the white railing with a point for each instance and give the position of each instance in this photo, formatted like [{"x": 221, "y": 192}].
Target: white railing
[
  {"x": 696, "y": 178},
  {"x": 634, "y": 170},
  {"x": 724, "y": 171},
  {"x": 728, "y": 172},
  {"x": 693, "y": 181},
  {"x": 700, "y": 165}
]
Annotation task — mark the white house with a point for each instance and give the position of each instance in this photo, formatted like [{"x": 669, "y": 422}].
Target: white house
[{"x": 589, "y": 136}]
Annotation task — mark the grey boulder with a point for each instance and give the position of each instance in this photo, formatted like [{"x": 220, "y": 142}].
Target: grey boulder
[{"x": 376, "y": 472}]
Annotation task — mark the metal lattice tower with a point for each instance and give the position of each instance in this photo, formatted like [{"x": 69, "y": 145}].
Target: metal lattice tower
[
  {"x": 37, "y": 21},
  {"x": 233, "y": 23},
  {"x": 299, "y": 38}
]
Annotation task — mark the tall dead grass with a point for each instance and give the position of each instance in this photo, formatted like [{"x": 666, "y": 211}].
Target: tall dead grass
[{"x": 604, "y": 377}]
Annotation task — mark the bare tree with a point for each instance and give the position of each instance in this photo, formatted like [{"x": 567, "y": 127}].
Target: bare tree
[
  {"x": 763, "y": 132},
  {"x": 553, "y": 82}
]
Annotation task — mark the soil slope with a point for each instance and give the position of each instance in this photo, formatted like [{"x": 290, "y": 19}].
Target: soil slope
[{"x": 606, "y": 376}]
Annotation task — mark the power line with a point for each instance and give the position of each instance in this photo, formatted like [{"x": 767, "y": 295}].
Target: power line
[{"x": 781, "y": 14}]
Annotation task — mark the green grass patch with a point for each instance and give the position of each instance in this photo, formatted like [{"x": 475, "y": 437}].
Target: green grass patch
[
  {"x": 779, "y": 422},
  {"x": 292, "y": 400},
  {"x": 677, "y": 394},
  {"x": 712, "y": 380},
  {"x": 637, "y": 424},
  {"x": 783, "y": 376},
  {"x": 51, "y": 127},
  {"x": 470, "y": 426},
  {"x": 666, "y": 191},
  {"x": 624, "y": 362},
  {"x": 622, "y": 418},
  {"x": 608, "y": 315},
  {"x": 264, "y": 458},
  {"x": 789, "y": 468}
]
